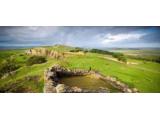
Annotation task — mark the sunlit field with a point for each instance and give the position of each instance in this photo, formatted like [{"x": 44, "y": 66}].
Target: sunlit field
[{"x": 141, "y": 74}]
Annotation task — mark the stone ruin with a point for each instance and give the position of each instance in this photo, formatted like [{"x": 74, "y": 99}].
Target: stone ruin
[
  {"x": 52, "y": 85},
  {"x": 51, "y": 80}
]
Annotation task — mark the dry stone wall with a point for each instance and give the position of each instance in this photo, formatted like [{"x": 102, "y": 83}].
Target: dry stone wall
[{"x": 52, "y": 85}]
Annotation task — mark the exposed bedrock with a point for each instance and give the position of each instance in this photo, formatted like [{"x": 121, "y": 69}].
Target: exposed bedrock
[
  {"x": 52, "y": 84},
  {"x": 44, "y": 52}
]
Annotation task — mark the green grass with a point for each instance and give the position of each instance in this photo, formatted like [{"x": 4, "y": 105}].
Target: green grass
[
  {"x": 148, "y": 52},
  {"x": 88, "y": 82},
  {"x": 25, "y": 71},
  {"x": 7, "y": 53},
  {"x": 18, "y": 79},
  {"x": 145, "y": 76}
]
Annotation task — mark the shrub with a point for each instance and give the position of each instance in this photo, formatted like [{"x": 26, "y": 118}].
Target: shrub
[
  {"x": 100, "y": 51},
  {"x": 77, "y": 49},
  {"x": 152, "y": 59},
  {"x": 8, "y": 66},
  {"x": 120, "y": 57},
  {"x": 157, "y": 60},
  {"x": 116, "y": 55},
  {"x": 36, "y": 60},
  {"x": 85, "y": 51}
]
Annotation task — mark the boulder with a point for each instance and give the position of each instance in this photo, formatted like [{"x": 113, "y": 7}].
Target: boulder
[
  {"x": 135, "y": 90},
  {"x": 76, "y": 89},
  {"x": 128, "y": 90},
  {"x": 49, "y": 87},
  {"x": 103, "y": 90},
  {"x": 60, "y": 88}
]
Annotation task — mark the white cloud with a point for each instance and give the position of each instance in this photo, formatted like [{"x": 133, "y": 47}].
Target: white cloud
[{"x": 109, "y": 38}]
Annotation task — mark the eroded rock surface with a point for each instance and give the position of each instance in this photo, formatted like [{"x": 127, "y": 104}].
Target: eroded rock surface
[{"x": 44, "y": 52}]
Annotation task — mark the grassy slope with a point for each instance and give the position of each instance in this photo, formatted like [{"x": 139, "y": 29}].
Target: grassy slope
[
  {"x": 143, "y": 53},
  {"x": 149, "y": 52},
  {"x": 145, "y": 76},
  {"x": 7, "y": 53}
]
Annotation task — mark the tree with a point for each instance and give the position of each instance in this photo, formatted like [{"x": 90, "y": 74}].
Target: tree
[{"x": 120, "y": 57}]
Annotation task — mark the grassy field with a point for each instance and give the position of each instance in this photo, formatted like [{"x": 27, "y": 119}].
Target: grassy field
[
  {"x": 150, "y": 54},
  {"x": 143, "y": 75}
]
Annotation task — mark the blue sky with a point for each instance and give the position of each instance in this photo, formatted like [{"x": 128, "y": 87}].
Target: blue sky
[{"x": 93, "y": 37}]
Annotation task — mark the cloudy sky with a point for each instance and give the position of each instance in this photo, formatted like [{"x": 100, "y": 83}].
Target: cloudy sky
[{"x": 93, "y": 37}]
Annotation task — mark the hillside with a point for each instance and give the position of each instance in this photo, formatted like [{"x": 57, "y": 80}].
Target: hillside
[{"x": 141, "y": 74}]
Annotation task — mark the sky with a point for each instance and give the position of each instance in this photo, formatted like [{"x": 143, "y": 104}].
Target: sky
[{"x": 81, "y": 36}]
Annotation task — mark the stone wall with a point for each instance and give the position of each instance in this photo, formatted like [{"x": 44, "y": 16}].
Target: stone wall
[
  {"x": 116, "y": 83},
  {"x": 52, "y": 85},
  {"x": 51, "y": 81}
]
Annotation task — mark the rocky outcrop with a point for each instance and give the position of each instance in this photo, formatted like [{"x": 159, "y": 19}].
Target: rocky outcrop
[
  {"x": 44, "y": 52},
  {"x": 52, "y": 83}
]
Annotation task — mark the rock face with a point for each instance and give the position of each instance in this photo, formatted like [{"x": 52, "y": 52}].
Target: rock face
[
  {"x": 52, "y": 83},
  {"x": 44, "y": 52}
]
